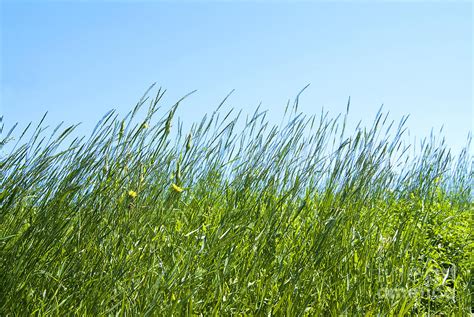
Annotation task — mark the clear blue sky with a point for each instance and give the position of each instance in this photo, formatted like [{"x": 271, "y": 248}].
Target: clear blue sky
[{"x": 78, "y": 60}]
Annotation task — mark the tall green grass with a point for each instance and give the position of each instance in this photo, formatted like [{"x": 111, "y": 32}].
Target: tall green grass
[{"x": 304, "y": 218}]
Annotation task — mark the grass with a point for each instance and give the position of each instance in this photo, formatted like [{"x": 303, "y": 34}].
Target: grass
[{"x": 234, "y": 217}]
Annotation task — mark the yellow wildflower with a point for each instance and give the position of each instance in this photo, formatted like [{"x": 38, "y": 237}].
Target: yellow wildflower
[
  {"x": 132, "y": 193},
  {"x": 176, "y": 188},
  {"x": 145, "y": 125}
]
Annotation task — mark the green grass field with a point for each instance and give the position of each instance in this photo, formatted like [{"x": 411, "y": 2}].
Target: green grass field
[{"x": 235, "y": 217}]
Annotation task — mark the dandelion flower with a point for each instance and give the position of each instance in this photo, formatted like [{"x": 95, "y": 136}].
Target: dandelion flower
[
  {"x": 176, "y": 188},
  {"x": 132, "y": 193}
]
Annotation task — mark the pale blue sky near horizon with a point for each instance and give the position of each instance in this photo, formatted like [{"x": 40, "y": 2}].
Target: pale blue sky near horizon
[{"x": 79, "y": 59}]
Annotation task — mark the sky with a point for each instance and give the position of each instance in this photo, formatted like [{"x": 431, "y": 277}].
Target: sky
[{"x": 79, "y": 59}]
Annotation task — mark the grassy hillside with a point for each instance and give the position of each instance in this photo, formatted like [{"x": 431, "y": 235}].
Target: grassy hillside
[{"x": 235, "y": 216}]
